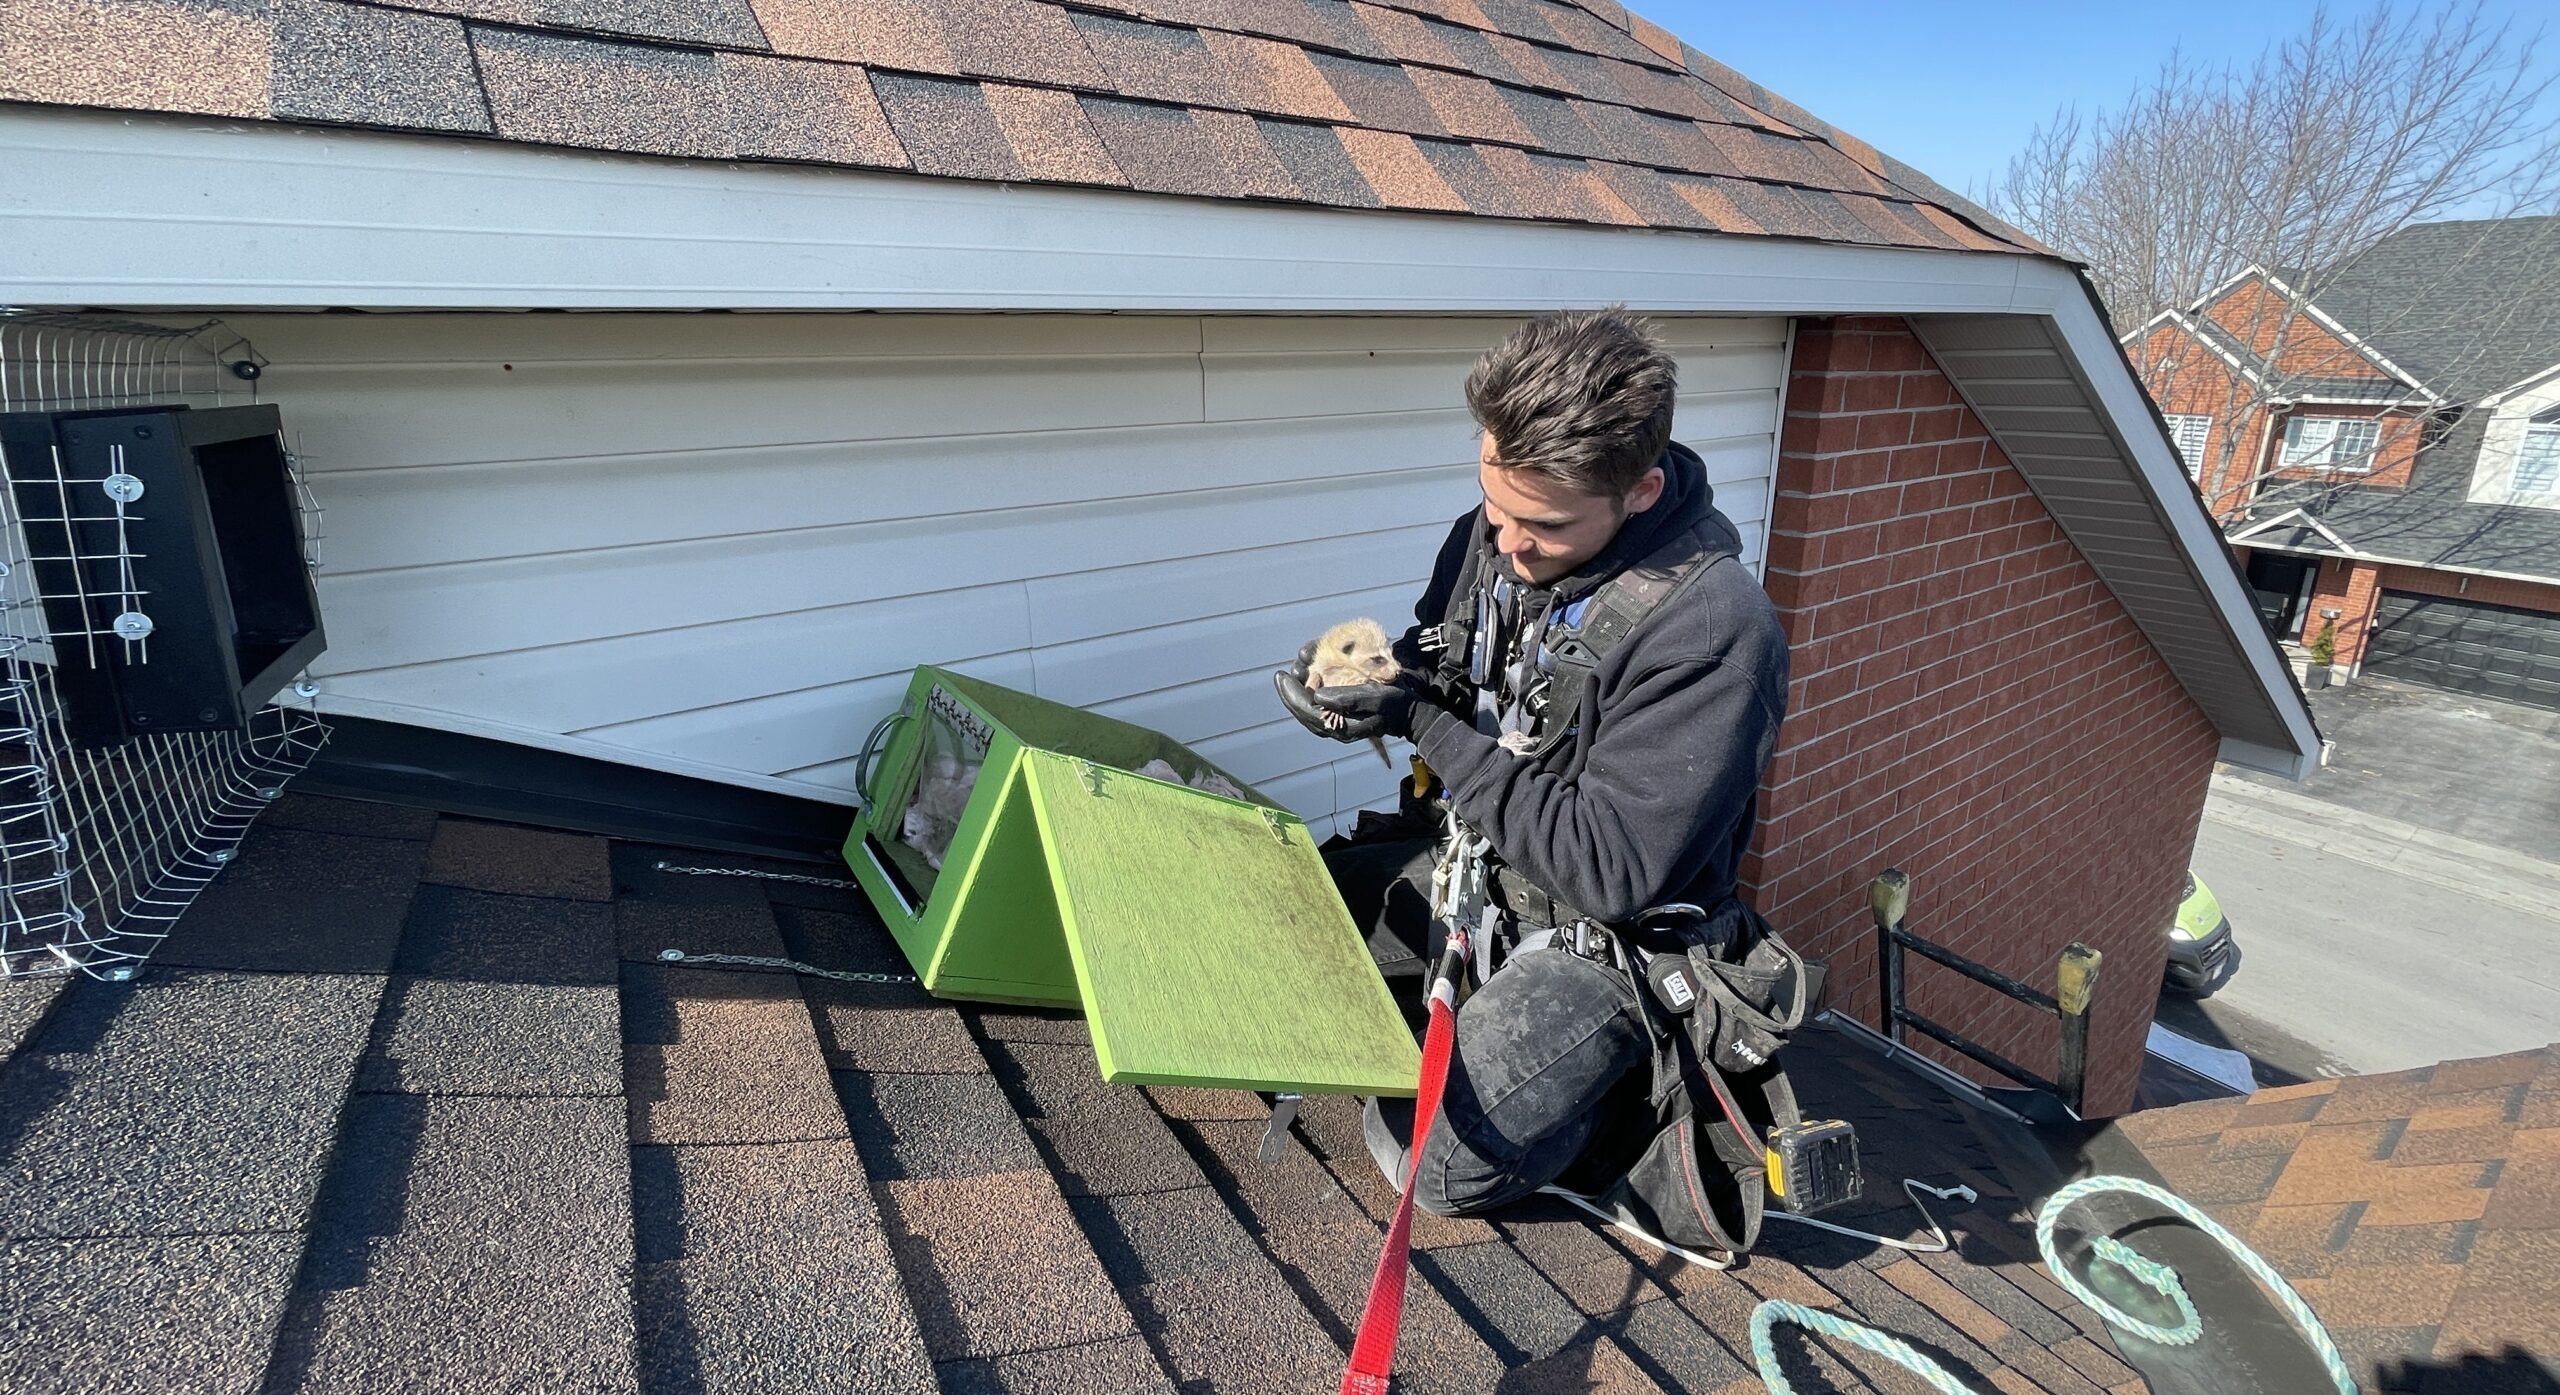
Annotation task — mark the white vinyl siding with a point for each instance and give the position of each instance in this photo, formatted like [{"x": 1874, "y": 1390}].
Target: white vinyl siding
[
  {"x": 2537, "y": 477},
  {"x": 2188, "y": 433},
  {"x": 2331, "y": 443},
  {"x": 717, "y": 544}
]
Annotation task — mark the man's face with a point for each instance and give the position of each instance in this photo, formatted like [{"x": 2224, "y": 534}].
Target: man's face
[{"x": 1545, "y": 529}]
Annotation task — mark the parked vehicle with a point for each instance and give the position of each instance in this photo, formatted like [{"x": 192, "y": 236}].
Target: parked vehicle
[{"x": 2202, "y": 953}]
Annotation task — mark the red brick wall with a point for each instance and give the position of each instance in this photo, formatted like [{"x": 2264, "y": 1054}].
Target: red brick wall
[
  {"x": 1970, "y": 704},
  {"x": 2257, "y": 315},
  {"x": 2347, "y": 588}
]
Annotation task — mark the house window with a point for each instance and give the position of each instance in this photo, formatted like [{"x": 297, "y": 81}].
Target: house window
[
  {"x": 2537, "y": 473},
  {"x": 2189, "y": 434},
  {"x": 2330, "y": 443}
]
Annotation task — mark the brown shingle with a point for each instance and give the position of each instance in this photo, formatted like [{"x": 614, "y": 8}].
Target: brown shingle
[
  {"x": 1405, "y": 36},
  {"x": 371, "y": 67},
  {"x": 1633, "y": 136},
  {"x": 502, "y": 857},
  {"x": 1529, "y": 61},
  {"x": 1470, "y": 107},
  {"x": 1484, "y": 191},
  {"x": 1591, "y": 198},
  {"x": 1580, "y": 29},
  {"x": 946, "y": 126},
  {"x": 1674, "y": 94},
  {"x": 1649, "y": 195},
  {"x": 885, "y": 33},
  {"x": 1051, "y": 138},
  {"x": 790, "y": 109},
  {"x": 203, "y": 56},
  {"x": 1663, "y": 42},
  {"x": 1022, "y": 39},
  {"x": 1473, "y": 49},
  {"x": 1321, "y": 23},
  {"x": 726, "y": 22},
  {"x": 1004, "y": 1257},
  {"x": 1379, "y": 95},
  {"x": 1559, "y": 129},
  {"x": 1268, "y": 75},
  {"x": 1525, "y": 19},
  {"x": 1156, "y": 61},
  {"x": 1317, "y": 162},
  {"x": 1402, "y": 177},
  {"x": 1169, "y": 150},
  {"x": 1464, "y": 12},
  {"x": 1585, "y": 76},
  {"x": 1715, "y": 204}
]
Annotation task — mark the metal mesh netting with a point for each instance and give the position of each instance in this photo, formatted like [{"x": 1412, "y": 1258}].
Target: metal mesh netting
[{"x": 100, "y": 850}]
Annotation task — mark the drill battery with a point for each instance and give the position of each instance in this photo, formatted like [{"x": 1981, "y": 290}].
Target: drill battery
[{"x": 1813, "y": 1165}]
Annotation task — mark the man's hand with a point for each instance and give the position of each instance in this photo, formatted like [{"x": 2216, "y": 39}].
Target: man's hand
[{"x": 1361, "y": 712}]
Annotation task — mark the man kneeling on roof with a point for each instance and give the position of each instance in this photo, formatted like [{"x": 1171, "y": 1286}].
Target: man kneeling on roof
[{"x": 1595, "y": 683}]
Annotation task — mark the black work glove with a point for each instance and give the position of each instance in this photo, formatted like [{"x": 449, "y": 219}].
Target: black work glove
[{"x": 1362, "y": 712}]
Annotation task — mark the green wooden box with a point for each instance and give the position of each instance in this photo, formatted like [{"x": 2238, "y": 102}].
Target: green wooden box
[{"x": 1200, "y": 934}]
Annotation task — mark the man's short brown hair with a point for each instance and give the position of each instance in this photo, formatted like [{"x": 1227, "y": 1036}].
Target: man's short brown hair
[{"x": 1581, "y": 396}]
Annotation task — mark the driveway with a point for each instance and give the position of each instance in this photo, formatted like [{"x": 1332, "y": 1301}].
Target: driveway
[{"x": 2476, "y": 768}]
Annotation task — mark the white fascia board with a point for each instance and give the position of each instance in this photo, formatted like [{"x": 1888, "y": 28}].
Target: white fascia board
[
  {"x": 147, "y": 213},
  {"x": 161, "y": 213},
  {"x": 2054, "y": 289}
]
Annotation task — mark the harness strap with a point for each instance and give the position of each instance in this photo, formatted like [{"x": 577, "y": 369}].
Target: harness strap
[{"x": 1373, "y": 1351}]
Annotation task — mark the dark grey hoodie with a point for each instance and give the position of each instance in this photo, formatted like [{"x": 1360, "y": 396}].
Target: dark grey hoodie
[{"x": 1651, "y": 800}]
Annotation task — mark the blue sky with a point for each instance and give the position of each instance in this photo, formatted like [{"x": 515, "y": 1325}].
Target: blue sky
[{"x": 1955, "y": 88}]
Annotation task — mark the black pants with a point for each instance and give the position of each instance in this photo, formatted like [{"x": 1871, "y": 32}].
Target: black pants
[{"x": 1548, "y": 1080}]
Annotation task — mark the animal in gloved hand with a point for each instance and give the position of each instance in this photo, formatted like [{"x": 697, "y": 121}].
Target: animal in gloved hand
[{"x": 1350, "y": 654}]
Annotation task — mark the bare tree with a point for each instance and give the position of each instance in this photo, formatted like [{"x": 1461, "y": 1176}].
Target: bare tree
[{"x": 2295, "y": 165}]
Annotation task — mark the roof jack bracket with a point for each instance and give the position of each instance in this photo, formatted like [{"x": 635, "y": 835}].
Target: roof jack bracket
[{"x": 1284, "y": 1112}]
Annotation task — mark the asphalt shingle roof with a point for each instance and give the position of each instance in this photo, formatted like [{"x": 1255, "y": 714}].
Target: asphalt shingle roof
[
  {"x": 2468, "y": 308},
  {"x": 292, "y": 1180},
  {"x": 1171, "y": 96},
  {"x": 2418, "y": 1212}
]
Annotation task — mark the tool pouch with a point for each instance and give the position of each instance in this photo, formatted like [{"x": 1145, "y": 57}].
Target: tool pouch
[{"x": 1719, "y": 1094}]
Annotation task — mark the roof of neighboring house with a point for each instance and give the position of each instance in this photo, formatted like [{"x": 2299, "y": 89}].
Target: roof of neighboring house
[
  {"x": 410, "y": 1102},
  {"x": 2432, "y": 521},
  {"x": 2418, "y": 1212},
  {"x": 2468, "y": 308},
  {"x": 1528, "y": 109}
]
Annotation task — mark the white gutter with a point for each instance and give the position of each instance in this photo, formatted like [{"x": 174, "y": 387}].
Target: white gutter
[{"x": 162, "y": 213}]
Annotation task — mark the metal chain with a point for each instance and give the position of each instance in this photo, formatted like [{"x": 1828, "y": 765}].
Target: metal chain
[
  {"x": 763, "y": 961},
  {"x": 805, "y": 880}
]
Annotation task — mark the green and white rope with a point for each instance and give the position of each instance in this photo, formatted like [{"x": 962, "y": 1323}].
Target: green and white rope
[
  {"x": 2150, "y": 1273},
  {"x": 1764, "y": 1348},
  {"x": 2163, "y": 1280}
]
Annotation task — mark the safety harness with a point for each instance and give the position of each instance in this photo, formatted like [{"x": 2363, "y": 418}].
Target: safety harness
[{"x": 1719, "y": 990}]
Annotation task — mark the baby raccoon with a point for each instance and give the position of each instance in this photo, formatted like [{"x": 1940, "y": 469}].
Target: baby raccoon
[{"x": 1352, "y": 653}]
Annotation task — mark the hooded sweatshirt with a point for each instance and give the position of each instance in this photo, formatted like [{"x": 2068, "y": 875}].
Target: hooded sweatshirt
[{"x": 1651, "y": 799}]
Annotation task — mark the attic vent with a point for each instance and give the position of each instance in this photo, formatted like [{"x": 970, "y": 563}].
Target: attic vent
[{"x": 155, "y": 605}]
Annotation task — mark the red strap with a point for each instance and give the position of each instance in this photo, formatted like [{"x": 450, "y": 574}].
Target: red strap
[{"x": 1373, "y": 1352}]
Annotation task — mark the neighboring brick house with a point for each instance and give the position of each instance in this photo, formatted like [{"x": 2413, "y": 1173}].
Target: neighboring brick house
[{"x": 2382, "y": 442}]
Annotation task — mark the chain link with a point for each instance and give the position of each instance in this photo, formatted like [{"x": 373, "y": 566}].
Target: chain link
[
  {"x": 804, "y": 880},
  {"x": 763, "y": 961}
]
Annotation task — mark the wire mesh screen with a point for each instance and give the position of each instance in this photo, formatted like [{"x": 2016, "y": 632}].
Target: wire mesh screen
[{"x": 101, "y": 849}]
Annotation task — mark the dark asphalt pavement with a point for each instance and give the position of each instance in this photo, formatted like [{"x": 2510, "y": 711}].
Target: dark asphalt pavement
[{"x": 2476, "y": 768}]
